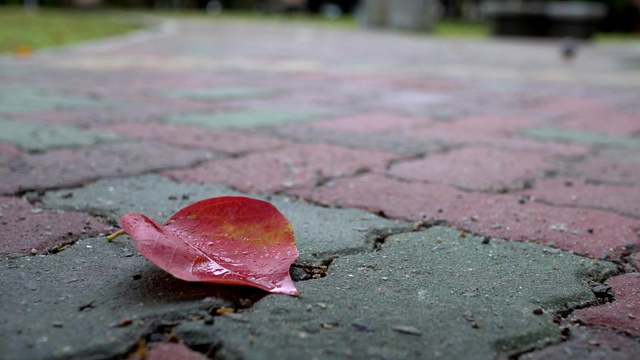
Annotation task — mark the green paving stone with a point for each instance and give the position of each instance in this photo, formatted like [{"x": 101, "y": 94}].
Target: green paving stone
[
  {"x": 241, "y": 119},
  {"x": 582, "y": 137},
  {"x": 217, "y": 94},
  {"x": 26, "y": 99},
  {"x": 426, "y": 295},
  {"x": 41, "y": 137},
  {"x": 69, "y": 305},
  {"x": 321, "y": 233}
]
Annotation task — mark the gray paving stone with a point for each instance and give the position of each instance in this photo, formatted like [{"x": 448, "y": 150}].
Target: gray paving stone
[
  {"x": 18, "y": 99},
  {"x": 426, "y": 295},
  {"x": 241, "y": 119},
  {"x": 321, "y": 233},
  {"x": 94, "y": 300},
  {"x": 217, "y": 94},
  {"x": 42, "y": 137}
]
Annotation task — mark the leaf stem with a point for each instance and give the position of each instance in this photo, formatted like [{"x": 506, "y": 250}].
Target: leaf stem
[{"x": 111, "y": 237}]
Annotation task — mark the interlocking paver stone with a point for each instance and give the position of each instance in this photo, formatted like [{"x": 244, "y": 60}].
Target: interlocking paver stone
[
  {"x": 366, "y": 141},
  {"x": 623, "y": 314},
  {"x": 612, "y": 166},
  {"x": 370, "y": 123},
  {"x": 240, "y": 119},
  {"x": 293, "y": 166},
  {"x": 439, "y": 296},
  {"x": 478, "y": 168},
  {"x": 72, "y": 167},
  {"x": 576, "y": 192},
  {"x": 582, "y": 137},
  {"x": 40, "y": 137},
  {"x": 230, "y": 142},
  {"x": 321, "y": 233},
  {"x": 28, "y": 230},
  {"x": 591, "y": 232}
]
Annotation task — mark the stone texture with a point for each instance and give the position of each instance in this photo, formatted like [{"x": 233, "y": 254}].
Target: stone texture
[
  {"x": 29, "y": 230},
  {"x": 217, "y": 94},
  {"x": 94, "y": 300},
  {"x": 487, "y": 169},
  {"x": 295, "y": 166},
  {"x": 6, "y": 149},
  {"x": 612, "y": 166},
  {"x": 606, "y": 122},
  {"x": 623, "y": 314},
  {"x": 230, "y": 142},
  {"x": 173, "y": 351},
  {"x": 575, "y": 192},
  {"x": 370, "y": 123},
  {"x": 590, "y": 345},
  {"x": 321, "y": 233},
  {"x": 582, "y": 137},
  {"x": 240, "y": 119},
  {"x": 39, "y": 137},
  {"x": 73, "y": 167},
  {"x": 425, "y": 295},
  {"x": 590, "y": 232},
  {"x": 20, "y": 99}
]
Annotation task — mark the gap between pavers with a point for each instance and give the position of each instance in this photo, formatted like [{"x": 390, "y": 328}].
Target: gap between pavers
[{"x": 321, "y": 233}]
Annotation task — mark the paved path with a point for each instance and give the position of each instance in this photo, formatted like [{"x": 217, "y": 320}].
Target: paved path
[{"x": 471, "y": 199}]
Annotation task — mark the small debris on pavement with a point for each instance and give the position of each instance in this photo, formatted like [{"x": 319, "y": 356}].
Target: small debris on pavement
[{"x": 409, "y": 330}]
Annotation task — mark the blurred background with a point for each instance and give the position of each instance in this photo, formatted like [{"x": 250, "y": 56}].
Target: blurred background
[{"x": 573, "y": 19}]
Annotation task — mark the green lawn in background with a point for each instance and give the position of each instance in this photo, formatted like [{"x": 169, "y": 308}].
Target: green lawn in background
[{"x": 25, "y": 30}]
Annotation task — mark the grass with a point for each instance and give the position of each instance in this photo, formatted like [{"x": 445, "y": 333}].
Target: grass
[{"x": 22, "y": 31}]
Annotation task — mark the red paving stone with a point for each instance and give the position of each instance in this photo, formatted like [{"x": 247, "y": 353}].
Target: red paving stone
[
  {"x": 634, "y": 259},
  {"x": 481, "y": 125},
  {"x": 6, "y": 149},
  {"x": 614, "y": 165},
  {"x": 589, "y": 232},
  {"x": 173, "y": 351},
  {"x": 562, "y": 106},
  {"x": 24, "y": 227},
  {"x": 295, "y": 166},
  {"x": 230, "y": 142},
  {"x": 577, "y": 192},
  {"x": 622, "y": 314},
  {"x": 477, "y": 168},
  {"x": 370, "y": 123},
  {"x": 72, "y": 167},
  {"x": 607, "y": 122}
]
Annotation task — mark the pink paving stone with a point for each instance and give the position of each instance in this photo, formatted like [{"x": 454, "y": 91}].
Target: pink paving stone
[
  {"x": 478, "y": 168},
  {"x": 614, "y": 165},
  {"x": 294, "y": 166},
  {"x": 608, "y": 122},
  {"x": 589, "y": 232},
  {"x": 370, "y": 123},
  {"x": 622, "y": 314},
  {"x": 6, "y": 149},
  {"x": 635, "y": 259},
  {"x": 226, "y": 141},
  {"x": 481, "y": 125},
  {"x": 24, "y": 227},
  {"x": 567, "y": 105},
  {"x": 173, "y": 351},
  {"x": 575, "y": 192}
]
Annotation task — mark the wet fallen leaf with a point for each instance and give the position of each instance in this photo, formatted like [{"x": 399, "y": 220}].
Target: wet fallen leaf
[{"x": 227, "y": 240}]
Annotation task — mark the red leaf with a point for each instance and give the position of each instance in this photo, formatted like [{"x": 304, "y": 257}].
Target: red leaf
[{"x": 228, "y": 240}]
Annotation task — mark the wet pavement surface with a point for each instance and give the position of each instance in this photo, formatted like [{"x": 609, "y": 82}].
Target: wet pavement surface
[{"x": 450, "y": 198}]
